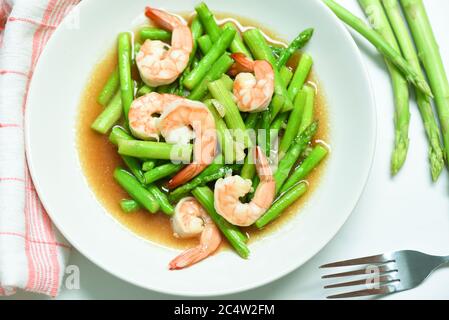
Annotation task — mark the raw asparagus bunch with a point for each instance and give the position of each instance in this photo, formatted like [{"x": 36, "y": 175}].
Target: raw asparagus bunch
[
  {"x": 429, "y": 54},
  {"x": 436, "y": 153}
]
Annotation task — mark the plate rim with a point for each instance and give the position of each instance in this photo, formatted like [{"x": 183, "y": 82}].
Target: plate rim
[{"x": 373, "y": 146}]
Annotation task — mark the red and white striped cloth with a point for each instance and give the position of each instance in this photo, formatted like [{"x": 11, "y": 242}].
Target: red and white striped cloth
[{"x": 33, "y": 255}]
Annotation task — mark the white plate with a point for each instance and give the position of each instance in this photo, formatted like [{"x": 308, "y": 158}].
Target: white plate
[{"x": 54, "y": 98}]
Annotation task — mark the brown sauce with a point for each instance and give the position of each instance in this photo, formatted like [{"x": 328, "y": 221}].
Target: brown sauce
[{"x": 99, "y": 158}]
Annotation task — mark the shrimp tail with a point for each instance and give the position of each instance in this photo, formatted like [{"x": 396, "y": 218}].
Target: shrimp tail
[
  {"x": 185, "y": 175},
  {"x": 187, "y": 258},
  {"x": 242, "y": 64},
  {"x": 266, "y": 191},
  {"x": 262, "y": 165},
  {"x": 209, "y": 243},
  {"x": 162, "y": 18}
]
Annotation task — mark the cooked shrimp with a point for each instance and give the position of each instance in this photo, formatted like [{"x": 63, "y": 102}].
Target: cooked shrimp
[
  {"x": 253, "y": 92},
  {"x": 158, "y": 63},
  {"x": 195, "y": 115},
  {"x": 143, "y": 111},
  {"x": 191, "y": 220},
  {"x": 228, "y": 192}
]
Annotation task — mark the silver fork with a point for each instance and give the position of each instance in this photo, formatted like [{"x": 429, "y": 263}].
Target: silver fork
[{"x": 385, "y": 273}]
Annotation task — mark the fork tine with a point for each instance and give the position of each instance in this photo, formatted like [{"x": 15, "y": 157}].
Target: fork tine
[
  {"x": 352, "y": 262},
  {"x": 381, "y": 270},
  {"x": 367, "y": 281},
  {"x": 345, "y": 274},
  {"x": 367, "y": 292}
]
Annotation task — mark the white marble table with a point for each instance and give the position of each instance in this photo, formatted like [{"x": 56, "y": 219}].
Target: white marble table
[{"x": 407, "y": 212}]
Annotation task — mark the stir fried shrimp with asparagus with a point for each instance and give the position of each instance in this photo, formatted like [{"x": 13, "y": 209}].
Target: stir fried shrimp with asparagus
[{"x": 194, "y": 111}]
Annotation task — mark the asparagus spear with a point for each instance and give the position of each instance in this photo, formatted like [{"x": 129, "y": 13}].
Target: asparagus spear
[
  {"x": 135, "y": 48},
  {"x": 224, "y": 135},
  {"x": 215, "y": 72},
  {"x": 277, "y": 51},
  {"x": 153, "y": 33},
  {"x": 308, "y": 111},
  {"x": 135, "y": 167},
  {"x": 376, "y": 15},
  {"x": 110, "y": 115},
  {"x": 279, "y": 121},
  {"x": 298, "y": 146},
  {"x": 129, "y": 205},
  {"x": 318, "y": 153},
  {"x": 143, "y": 90},
  {"x": 232, "y": 116},
  {"x": 128, "y": 182},
  {"x": 300, "y": 75},
  {"x": 208, "y": 20},
  {"x": 228, "y": 82},
  {"x": 124, "y": 67},
  {"x": 118, "y": 133},
  {"x": 293, "y": 124},
  {"x": 133, "y": 164},
  {"x": 162, "y": 199},
  {"x": 109, "y": 88},
  {"x": 259, "y": 124},
  {"x": 251, "y": 120},
  {"x": 200, "y": 180},
  {"x": 429, "y": 54},
  {"x": 197, "y": 31},
  {"x": 286, "y": 75},
  {"x": 160, "y": 172},
  {"x": 155, "y": 150},
  {"x": 263, "y": 136},
  {"x": 148, "y": 165},
  {"x": 171, "y": 88},
  {"x": 281, "y": 204},
  {"x": 205, "y": 43},
  {"x": 299, "y": 42},
  {"x": 214, "y": 32},
  {"x": 217, "y": 50},
  {"x": 381, "y": 45},
  {"x": 249, "y": 168},
  {"x": 237, "y": 44},
  {"x": 436, "y": 153}
]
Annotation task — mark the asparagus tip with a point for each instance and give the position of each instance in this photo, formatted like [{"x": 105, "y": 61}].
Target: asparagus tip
[
  {"x": 427, "y": 90},
  {"x": 423, "y": 86},
  {"x": 309, "y": 32},
  {"x": 399, "y": 156},
  {"x": 436, "y": 163}
]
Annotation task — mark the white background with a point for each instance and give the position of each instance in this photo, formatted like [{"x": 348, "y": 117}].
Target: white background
[{"x": 407, "y": 212}]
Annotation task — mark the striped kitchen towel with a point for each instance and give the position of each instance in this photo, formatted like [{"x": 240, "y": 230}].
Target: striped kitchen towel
[{"x": 33, "y": 254}]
